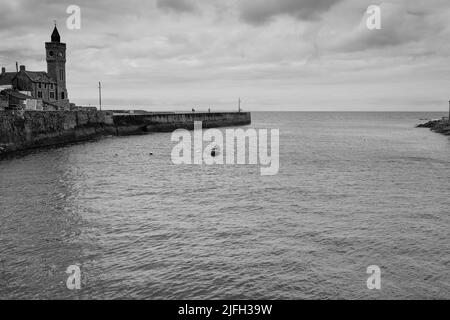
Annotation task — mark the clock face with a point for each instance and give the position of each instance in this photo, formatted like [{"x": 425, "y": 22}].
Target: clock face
[
  {"x": 60, "y": 54},
  {"x": 51, "y": 53}
]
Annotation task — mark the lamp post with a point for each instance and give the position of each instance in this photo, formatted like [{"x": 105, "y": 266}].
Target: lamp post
[{"x": 100, "y": 94}]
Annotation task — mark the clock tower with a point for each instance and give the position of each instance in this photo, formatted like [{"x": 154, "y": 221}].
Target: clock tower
[{"x": 56, "y": 66}]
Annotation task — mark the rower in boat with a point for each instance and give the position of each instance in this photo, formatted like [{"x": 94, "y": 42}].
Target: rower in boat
[{"x": 214, "y": 151}]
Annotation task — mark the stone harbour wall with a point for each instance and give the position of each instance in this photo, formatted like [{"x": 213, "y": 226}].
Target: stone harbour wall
[
  {"x": 23, "y": 130},
  {"x": 166, "y": 122}
]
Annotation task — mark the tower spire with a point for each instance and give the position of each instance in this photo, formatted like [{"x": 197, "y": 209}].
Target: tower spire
[{"x": 55, "y": 35}]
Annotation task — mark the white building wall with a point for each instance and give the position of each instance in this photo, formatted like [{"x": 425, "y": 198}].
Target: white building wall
[
  {"x": 31, "y": 104},
  {"x": 6, "y": 86}
]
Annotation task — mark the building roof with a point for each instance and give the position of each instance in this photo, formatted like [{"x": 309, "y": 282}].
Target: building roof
[
  {"x": 6, "y": 78},
  {"x": 39, "y": 76},
  {"x": 17, "y": 94},
  {"x": 51, "y": 104},
  {"x": 35, "y": 76},
  {"x": 55, "y": 35}
]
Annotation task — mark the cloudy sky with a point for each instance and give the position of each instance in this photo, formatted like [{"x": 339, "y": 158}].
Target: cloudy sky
[{"x": 274, "y": 54}]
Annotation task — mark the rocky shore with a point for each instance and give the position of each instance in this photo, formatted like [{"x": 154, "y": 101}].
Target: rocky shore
[{"x": 439, "y": 126}]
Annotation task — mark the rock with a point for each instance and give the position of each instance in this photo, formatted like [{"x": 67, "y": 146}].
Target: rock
[
  {"x": 439, "y": 126},
  {"x": 429, "y": 124}
]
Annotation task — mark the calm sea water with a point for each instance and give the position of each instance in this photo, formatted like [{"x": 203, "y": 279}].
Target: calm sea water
[{"x": 353, "y": 190}]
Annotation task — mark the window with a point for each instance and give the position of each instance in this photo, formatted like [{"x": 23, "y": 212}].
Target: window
[
  {"x": 51, "y": 86},
  {"x": 62, "y": 95},
  {"x": 61, "y": 75},
  {"x": 39, "y": 85},
  {"x": 52, "y": 95},
  {"x": 40, "y": 94}
]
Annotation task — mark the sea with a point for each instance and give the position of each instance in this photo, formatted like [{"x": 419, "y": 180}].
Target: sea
[{"x": 353, "y": 190}]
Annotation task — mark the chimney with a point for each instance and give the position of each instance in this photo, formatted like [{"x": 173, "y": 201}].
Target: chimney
[
  {"x": 22, "y": 68},
  {"x": 3, "y": 70},
  {"x": 17, "y": 66}
]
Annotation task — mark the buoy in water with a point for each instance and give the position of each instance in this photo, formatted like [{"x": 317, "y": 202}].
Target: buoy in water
[{"x": 214, "y": 151}]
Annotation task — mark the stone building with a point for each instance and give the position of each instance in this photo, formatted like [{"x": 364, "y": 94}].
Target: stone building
[
  {"x": 6, "y": 79},
  {"x": 13, "y": 100},
  {"x": 48, "y": 87},
  {"x": 4, "y": 101}
]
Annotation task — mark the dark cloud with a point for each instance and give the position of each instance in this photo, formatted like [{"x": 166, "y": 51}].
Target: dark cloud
[
  {"x": 177, "y": 5},
  {"x": 262, "y": 11},
  {"x": 217, "y": 44},
  {"x": 400, "y": 26}
]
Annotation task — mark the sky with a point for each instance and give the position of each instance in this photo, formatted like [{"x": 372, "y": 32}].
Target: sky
[{"x": 276, "y": 55}]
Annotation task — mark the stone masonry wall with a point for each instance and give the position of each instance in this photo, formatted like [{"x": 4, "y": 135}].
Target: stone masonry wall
[{"x": 21, "y": 130}]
